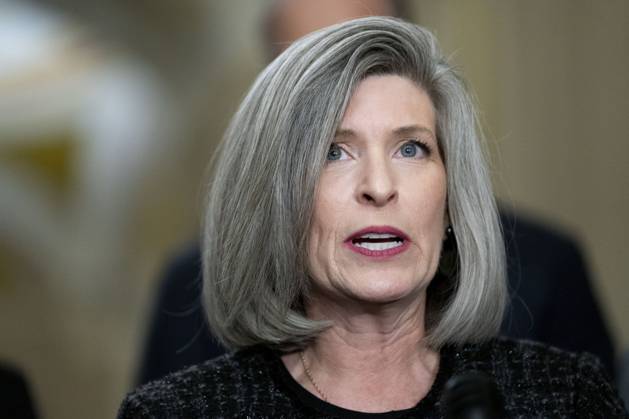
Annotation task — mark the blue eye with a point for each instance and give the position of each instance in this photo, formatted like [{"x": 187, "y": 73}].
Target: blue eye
[
  {"x": 409, "y": 150},
  {"x": 413, "y": 148},
  {"x": 334, "y": 153}
]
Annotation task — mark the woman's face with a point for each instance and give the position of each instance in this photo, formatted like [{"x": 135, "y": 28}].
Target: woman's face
[{"x": 380, "y": 207}]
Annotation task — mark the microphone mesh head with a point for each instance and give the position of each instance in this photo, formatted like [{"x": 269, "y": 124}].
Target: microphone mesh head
[{"x": 472, "y": 395}]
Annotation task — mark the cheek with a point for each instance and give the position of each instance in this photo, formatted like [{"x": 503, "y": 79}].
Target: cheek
[
  {"x": 426, "y": 194},
  {"x": 322, "y": 254},
  {"x": 429, "y": 207},
  {"x": 322, "y": 238},
  {"x": 436, "y": 195},
  {"x": 327, "y": 233},
  {"x": 328, "y": 210}
]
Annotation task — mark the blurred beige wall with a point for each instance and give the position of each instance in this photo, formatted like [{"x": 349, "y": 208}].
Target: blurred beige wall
[{"x": 552, "y": 80}]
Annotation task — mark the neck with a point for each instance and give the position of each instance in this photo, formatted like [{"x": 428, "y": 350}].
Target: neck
[
  {"x": 373, "y": 357},
  {"x": 367, "y": 333}
]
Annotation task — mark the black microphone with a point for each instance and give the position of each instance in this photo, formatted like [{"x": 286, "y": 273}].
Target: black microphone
[{"x": 472, "y": 395}]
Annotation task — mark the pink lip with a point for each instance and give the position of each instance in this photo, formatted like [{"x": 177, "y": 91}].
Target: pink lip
[{"x": 378, "y": 253}]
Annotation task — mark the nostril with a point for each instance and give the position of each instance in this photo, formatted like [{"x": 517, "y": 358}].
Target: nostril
[
  {"x": 367, "y": 197},
  {"x": 378, "y": 199}
]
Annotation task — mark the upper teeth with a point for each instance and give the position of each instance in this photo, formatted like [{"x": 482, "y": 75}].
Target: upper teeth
[
  {"x": 378, "y": 236},
  {"x": 379, "y": 246}
]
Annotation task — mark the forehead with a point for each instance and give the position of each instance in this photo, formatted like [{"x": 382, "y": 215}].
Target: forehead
[{"x": 387, "y": 102}]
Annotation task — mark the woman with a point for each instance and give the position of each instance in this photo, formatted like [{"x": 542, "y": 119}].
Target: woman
[{"x": 330, "y": 258}]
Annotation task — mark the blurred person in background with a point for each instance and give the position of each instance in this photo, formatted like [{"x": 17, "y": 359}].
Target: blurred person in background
[
  {"x": 353, "y": 255},
  {"x": 15, "y": 396},
  {"x": 551, "y": 298}
]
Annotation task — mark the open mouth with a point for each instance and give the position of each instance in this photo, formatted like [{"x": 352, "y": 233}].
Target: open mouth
[
  {"x": 378, "y": 241},
  {"x": 375, "y": 241}
]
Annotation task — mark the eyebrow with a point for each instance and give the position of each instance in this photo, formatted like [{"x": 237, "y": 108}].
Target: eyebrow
[
  {"x": 344, "y": 133},
  {"x": 413, "y": 129},
  {"x": 406, "y": 130}
]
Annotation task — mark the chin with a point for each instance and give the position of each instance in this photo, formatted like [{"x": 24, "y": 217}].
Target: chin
[{"x": 377, "y": 290}]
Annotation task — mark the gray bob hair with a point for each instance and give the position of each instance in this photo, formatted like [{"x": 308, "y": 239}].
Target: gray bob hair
[{"x": 260, "y": 203}]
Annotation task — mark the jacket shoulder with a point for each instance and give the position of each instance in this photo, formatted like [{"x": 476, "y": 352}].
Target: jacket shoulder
[
  {"x": 213, "y": 387},
  {"x": 535, "y": 377}
]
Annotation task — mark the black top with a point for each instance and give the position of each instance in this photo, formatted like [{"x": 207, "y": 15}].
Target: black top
[{"x": 535, "y": 381}]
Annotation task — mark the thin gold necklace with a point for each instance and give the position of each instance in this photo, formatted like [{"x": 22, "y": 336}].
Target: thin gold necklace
[{"x": 310, "y": 377}]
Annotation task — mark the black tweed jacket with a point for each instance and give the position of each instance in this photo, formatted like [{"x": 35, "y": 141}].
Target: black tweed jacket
[{"x": 536, "y": 381}]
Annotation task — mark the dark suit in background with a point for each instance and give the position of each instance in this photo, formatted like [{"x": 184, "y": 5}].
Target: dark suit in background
[
  {"x": 551, "y": 301},
  {"x": 15, "y": 398}
]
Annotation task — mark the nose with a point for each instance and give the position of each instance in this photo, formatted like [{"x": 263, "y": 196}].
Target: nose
[{"x": 377, "y": 185}]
